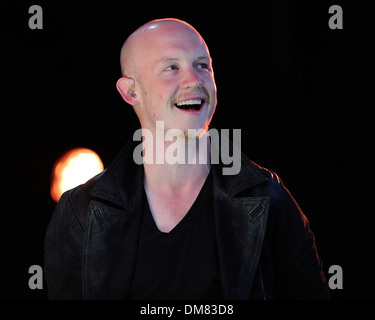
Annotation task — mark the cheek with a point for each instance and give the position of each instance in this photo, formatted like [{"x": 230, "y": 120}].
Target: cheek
[
  {"x": 167, "y": 93},
  {"x": 150, "y": 97},
  {"x": 210, "y": 85},
  {"x": 213, "y": 84}
]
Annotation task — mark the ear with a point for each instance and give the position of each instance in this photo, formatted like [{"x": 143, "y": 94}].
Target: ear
[{"x": 125, "y": 86}]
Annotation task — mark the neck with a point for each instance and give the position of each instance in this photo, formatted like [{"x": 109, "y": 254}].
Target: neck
[{"x": 178, "y": 166}]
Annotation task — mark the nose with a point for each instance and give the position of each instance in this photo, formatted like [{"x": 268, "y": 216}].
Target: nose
[{"x": 191, "y": 80}]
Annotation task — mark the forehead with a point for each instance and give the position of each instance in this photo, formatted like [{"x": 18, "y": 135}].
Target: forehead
[{"x": 172, "y": 42}]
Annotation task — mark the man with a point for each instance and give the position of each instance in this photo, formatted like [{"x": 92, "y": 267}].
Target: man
[{"x": 180, "y": 230}]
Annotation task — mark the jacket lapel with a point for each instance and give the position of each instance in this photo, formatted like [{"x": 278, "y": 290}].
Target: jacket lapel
[
  {"x": 113, "y": 229},
  {"x": 240, "y": 226},
  {"x": 240, "y": 229},
  {"x": 110, "y": 251}
]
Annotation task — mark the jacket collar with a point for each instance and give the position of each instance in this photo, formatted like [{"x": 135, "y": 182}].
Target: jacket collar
[{"x": 121, "y": 182}]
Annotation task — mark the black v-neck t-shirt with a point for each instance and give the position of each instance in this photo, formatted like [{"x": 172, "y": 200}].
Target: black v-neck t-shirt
[{"x": 181, "y": 264}]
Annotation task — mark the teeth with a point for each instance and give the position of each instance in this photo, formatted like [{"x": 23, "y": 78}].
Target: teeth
[{"x": 187, "y": 102}]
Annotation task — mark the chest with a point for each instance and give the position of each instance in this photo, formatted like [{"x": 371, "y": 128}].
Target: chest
[
  {"x": 180, "y": 264},
  {"x": 169, "y": 210}
]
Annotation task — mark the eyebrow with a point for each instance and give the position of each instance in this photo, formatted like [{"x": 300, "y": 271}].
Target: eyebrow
[{"x": 170, "y": 59}]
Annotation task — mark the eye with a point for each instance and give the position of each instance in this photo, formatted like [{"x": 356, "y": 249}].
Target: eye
[
  {"x": 172, "y": 67},
  {"x": 203, "y": 66}
]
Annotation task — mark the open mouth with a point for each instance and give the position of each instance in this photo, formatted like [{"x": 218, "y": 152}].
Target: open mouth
[{"x": 194, "y": 105}]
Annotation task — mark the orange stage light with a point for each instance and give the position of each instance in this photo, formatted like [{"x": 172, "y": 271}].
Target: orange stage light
[{"x": 73, "y": 168}]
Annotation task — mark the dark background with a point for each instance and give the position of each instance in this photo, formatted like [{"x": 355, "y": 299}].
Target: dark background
[{"x": 295, "y": 87}]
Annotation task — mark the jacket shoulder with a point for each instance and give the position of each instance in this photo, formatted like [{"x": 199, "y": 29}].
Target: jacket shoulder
[
  {"x": 279, "y": 195},
  {"x": 271, "y": 184},
  {"x": 290, "y": 257}
]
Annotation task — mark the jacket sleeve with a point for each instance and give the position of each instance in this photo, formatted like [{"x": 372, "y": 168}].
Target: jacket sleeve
[
  {"x": 297, "y": 267},
  {"x": 63, "y": 252}
]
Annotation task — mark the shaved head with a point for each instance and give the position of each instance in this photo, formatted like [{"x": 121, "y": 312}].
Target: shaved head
[
  {"x": 132, "y": 47},
  {"x": 167, "y": 76}
]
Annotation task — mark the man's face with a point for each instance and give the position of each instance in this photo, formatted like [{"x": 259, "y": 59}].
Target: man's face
[{"x": 175, "y": 79}]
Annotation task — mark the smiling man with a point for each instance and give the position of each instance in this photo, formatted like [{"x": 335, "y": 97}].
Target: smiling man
[
  {"x": 168, "y": 79},
  {"x": 183, "y": 230}
]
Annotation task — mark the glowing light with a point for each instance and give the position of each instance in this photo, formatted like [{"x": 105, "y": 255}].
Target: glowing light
[{"x": 73, "y": 168}]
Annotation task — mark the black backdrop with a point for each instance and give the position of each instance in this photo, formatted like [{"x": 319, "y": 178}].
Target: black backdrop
[{"x": 295, "y": 87}]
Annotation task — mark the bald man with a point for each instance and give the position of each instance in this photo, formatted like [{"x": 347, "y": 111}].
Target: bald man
[
  {"x": 166, "y": 63},
  {"x": 181, "y": 230}
]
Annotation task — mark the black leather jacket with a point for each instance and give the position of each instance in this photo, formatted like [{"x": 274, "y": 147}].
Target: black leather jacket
[{"x": 266, "y": 249}]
